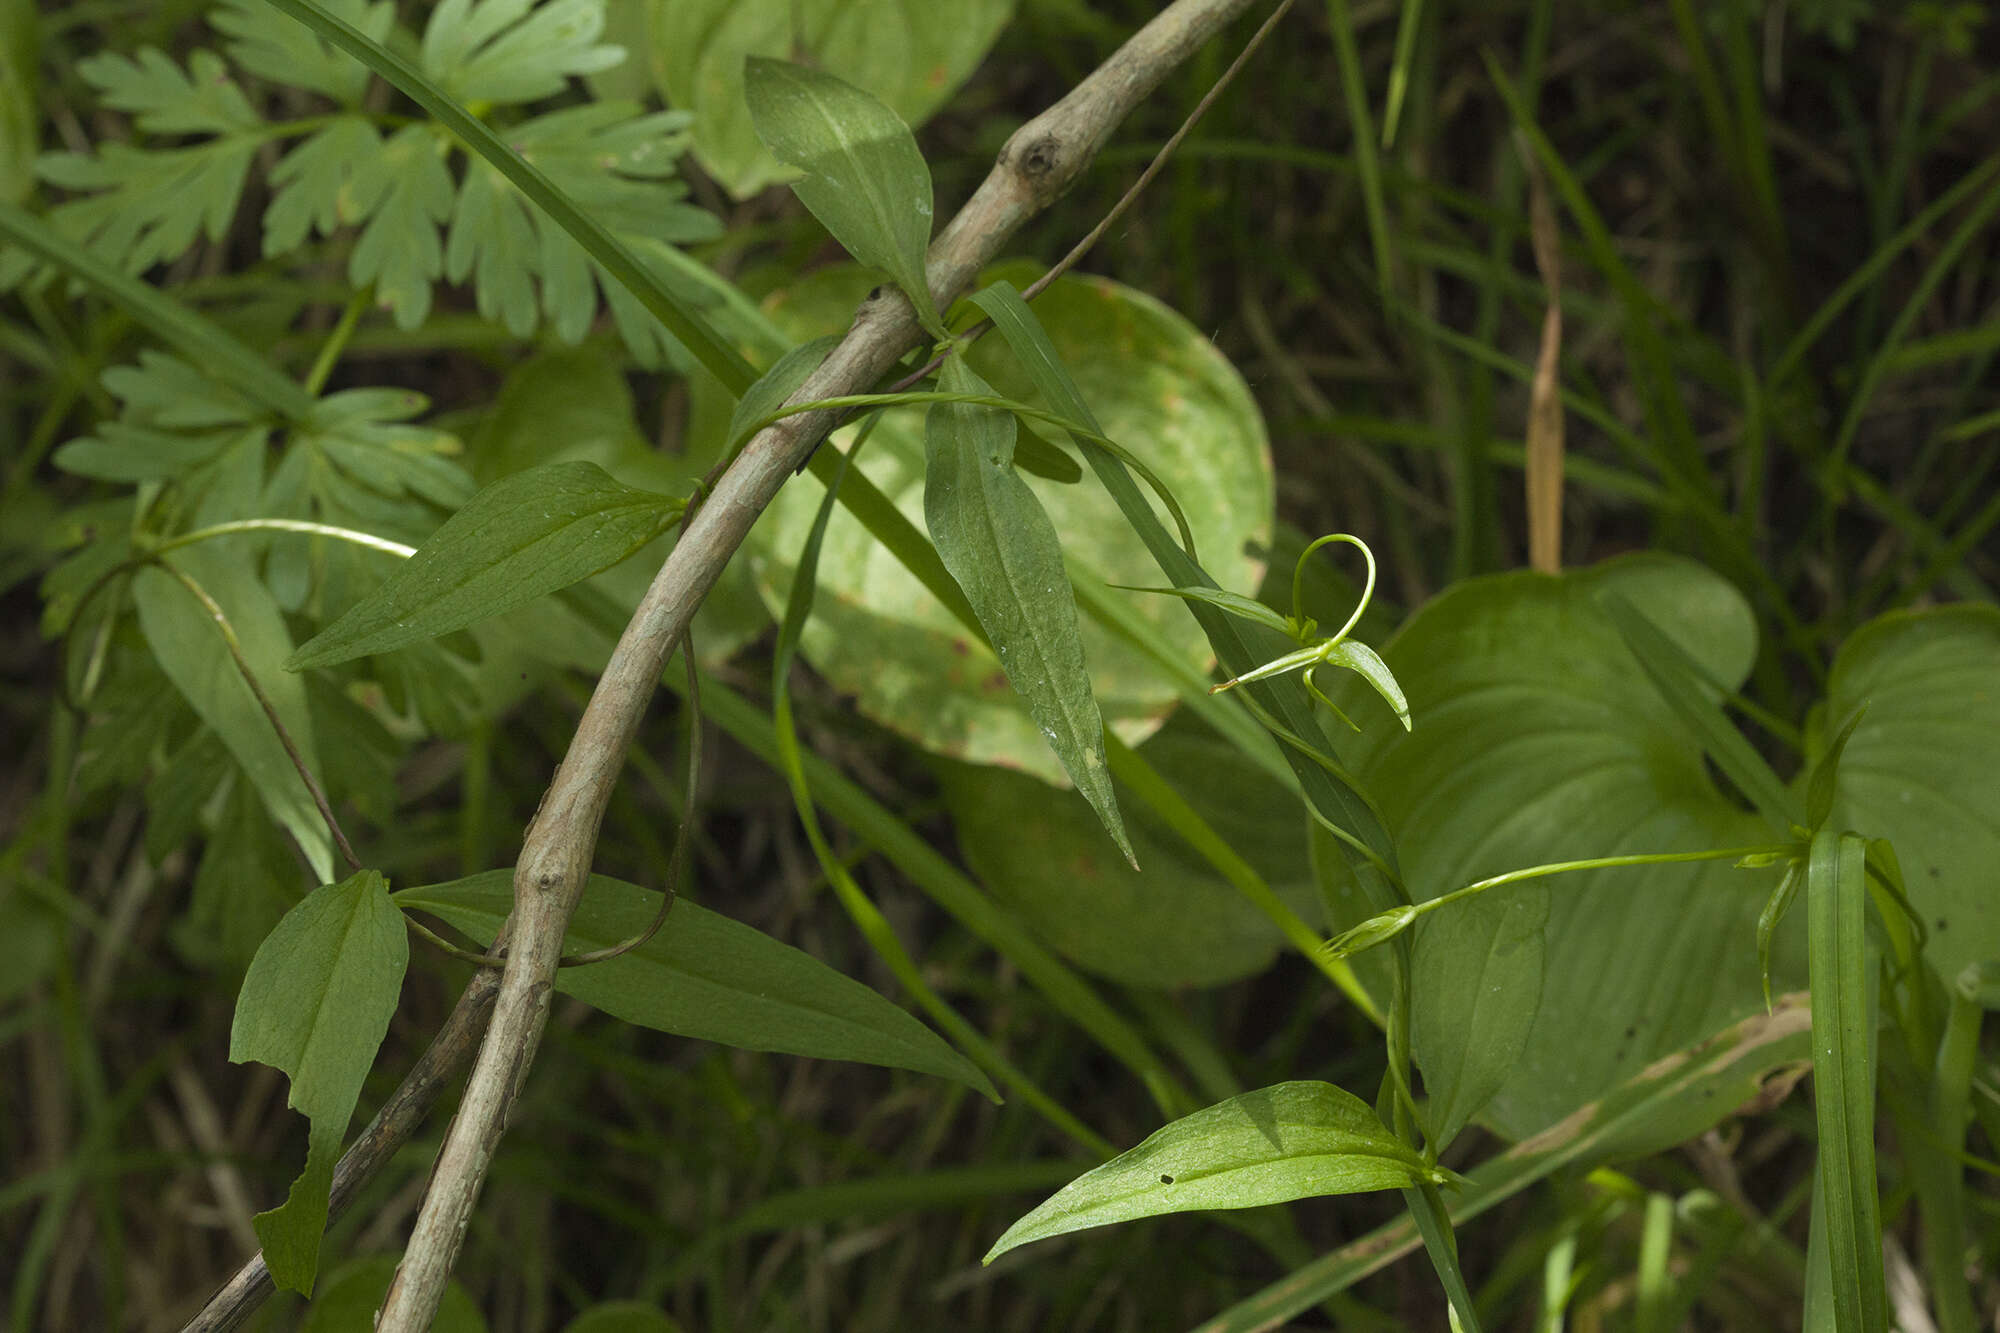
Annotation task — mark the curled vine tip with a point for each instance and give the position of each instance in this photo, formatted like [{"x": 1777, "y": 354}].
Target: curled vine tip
[{"x": 1375, "y": 930}]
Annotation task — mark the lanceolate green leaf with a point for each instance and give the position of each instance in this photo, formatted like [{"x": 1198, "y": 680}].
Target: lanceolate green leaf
[
  {"x": 521, "y": 538},
  {"x": 897, "y": 640},
  {"x": 1844, "y": 1080},
  {"x": 865, "y": 179},
  {"x": 190, "y": 649},
  {"x": 1247, "y": 608},
  {"x": 1288, "y": 1141},
  {"x": 709, "y": 977},
  {"x": 997, "y": 541},
  {"x": 316, "y": 1003},
  {"x": 1671, "y": 1100},
  {"x": 1240, "y": 647}
]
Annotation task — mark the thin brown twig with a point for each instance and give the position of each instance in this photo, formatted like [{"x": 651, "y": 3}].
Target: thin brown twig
[{"x": 1545, "y": 410}]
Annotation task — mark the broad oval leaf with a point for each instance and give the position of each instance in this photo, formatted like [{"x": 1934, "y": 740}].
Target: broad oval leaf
[
  {"x": 521, "y": 538},
  {"x": 316, "y": 1004},
  {"x": 1543, "y": 739},
  {"x": 1174, "y": 923},
  {"x": 709, "y": 977},
  {"x": 1288, "y": 1141},
  {"x": 1479, "y": 967},
  {"x": 1918, "y": 767},
  {"x": 1157, "y": 385},
  {"x": 865, "y": 179},
  {"x": 912, "y": 54},
  {"x": 998, "y": 543},
  {"x": 190, "y": 649}
]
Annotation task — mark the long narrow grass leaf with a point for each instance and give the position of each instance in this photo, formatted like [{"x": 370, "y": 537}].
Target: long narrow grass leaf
[{"x": 1844, "y": 1080}]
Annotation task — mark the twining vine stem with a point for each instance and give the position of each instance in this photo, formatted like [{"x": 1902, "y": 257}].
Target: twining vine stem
[{"x": 1039, "y": 162}]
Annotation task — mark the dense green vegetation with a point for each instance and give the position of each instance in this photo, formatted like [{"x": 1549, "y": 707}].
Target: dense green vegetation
[{"x": 1603, "y": 948}]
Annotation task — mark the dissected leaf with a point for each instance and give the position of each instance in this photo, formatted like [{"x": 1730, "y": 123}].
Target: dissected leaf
[
  {"x": 164, "y": 99},
  {"x": 191, "y": 651},
  {"x": 1288, "y": 1141},
  {"x": 398, "y": 251},
  {"x": 331, "y": 180},
  {"x": 507, "y": 51},
  {"x": 709, "y": 977},
  {"x": 912, "y": 54},
  {"x": 142, "y": 208},
  {"x": 275, "y": 47},
  {"x": 999, "y": 544},
  {"x": 363, "y": 432},
  {"x": 316, "y": 1004},
  {"x": 612, "y": 161},
  {"x": 865, "y": 179},
  {"x": 248, "y": 877},
  {"x": 521, "y": 538}
]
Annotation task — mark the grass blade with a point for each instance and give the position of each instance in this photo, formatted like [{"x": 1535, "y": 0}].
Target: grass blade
[{"x": 1843, "y": 1034}]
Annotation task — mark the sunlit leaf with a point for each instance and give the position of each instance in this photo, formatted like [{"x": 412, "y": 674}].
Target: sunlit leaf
[
  {"x": 864, "y": 178},
  {"x": 1288, "y": 1141}
]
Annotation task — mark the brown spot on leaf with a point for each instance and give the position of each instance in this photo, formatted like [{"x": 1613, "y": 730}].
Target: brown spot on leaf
[{"x": 995, "y": 681}]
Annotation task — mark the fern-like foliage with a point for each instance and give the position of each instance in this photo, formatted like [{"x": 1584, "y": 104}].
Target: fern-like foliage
[{"x": 408, "y": 203}]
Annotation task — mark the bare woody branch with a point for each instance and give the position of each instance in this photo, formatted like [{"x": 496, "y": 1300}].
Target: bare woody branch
[{"x": 1039, "y": 162}]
